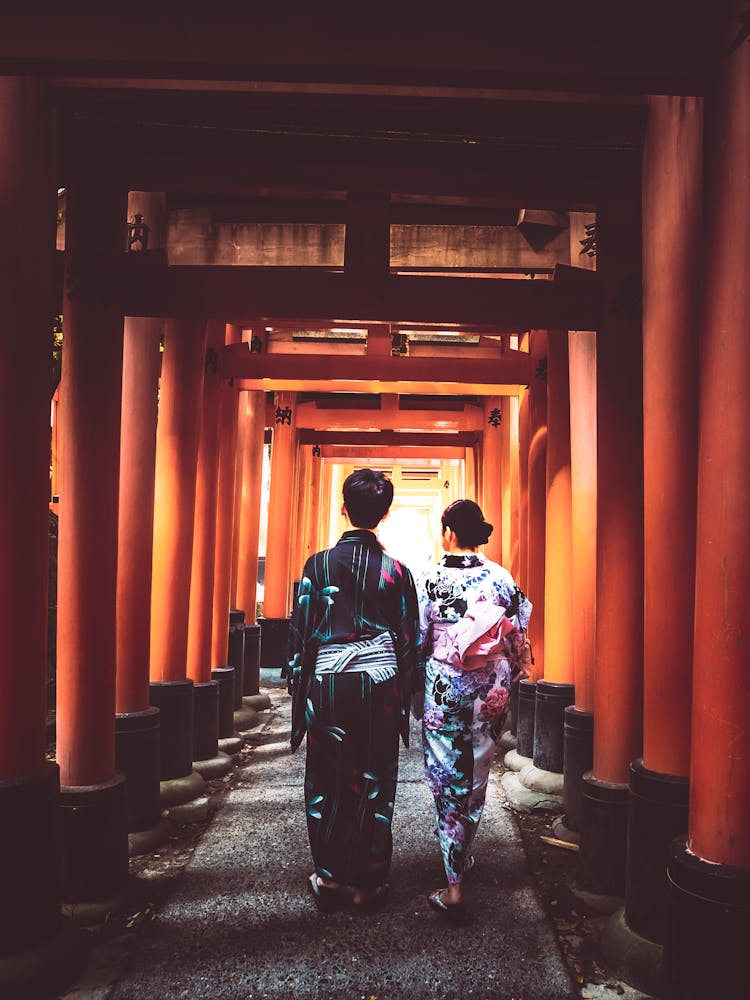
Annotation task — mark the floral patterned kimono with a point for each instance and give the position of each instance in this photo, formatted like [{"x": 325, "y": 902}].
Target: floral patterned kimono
[
  {"x": 465, "y": 709},
  {"x": 352, "y": 669}
]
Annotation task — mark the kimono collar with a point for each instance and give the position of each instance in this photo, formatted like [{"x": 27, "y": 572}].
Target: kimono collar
[
  {"x": 468, "y": 560},
  {"x": 361, "y": 535}
]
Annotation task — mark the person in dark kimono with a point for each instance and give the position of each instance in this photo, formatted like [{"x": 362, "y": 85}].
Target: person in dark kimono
[
  {"x": 473, "y": 618},
  {"x": 353, "y": 666}
]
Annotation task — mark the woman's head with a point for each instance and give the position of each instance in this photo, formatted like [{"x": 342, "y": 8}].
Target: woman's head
[
  {"x": 465, "y": 519},
  {"x": 367, "y": 497}
]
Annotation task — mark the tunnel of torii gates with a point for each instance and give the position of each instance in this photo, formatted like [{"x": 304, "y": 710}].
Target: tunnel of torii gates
[{"x": 571, "y": 414}]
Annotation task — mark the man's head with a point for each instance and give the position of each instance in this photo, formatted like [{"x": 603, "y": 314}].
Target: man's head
[{"x": 367, "y": 497}]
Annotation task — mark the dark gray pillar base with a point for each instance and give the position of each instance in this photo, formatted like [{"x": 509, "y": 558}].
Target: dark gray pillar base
[
  {"x": 246, "y": 718},
  {"x": 236, "y": 653},
  {"x": 30, "y": 861},
  {"x": 258, "y": 702},
  {"x": 707, "y": 928},
  {"x": 175, "y": 701},
  {"x": 94, "y": 838},
  {"x": 89, "y": 913},
  {"x": 251, "y": 684},
  {"x": 604, "y": 824},
  {"x": 549, "y": 715},
  {"x": 658, "y": 814},
  {"x": 205, "y": 720},
  {"x": 146, "y": 841},
  {"x": 563, "y": 832},
  {"x": 578, "y": 738},
  {"x": 137, "y": 757},
  {"x": 178, "y": 790},
  {"x": 274, "y": 636},
  {"x": 194, "y": 811},
  {"x": 224, "y": 677},
  {"x": 214, "y": 767},
  {"x": 526, "y": 709},
  {"x": 513, "y": 710},
  {"x": 632, "y": 958},
  {"x": 47, "y": 969}
]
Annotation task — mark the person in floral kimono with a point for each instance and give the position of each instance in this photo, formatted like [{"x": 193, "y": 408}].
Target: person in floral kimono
[
  {"x": 353, "y": 667},
  {"x": 473, "y": 618}
]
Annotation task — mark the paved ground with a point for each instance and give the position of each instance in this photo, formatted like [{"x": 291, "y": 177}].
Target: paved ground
[{"x": 240, "y": 926}]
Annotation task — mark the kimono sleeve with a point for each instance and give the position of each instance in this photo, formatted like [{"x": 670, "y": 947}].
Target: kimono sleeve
[
  {"x": 408, "y": 632},
  {"x": 300, "y": 627}
]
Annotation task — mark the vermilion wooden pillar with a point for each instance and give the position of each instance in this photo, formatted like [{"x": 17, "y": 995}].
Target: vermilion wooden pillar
[
  {"x": 242, "y": 418},
  {"x": 658, "y": 782},
  {"x": 94, "y": 821},
  {"x": 312, "y": 525},
  {"x": 579, "y": 718},
  {"x": 515, "y": 486},
  {"x": 30, "y": 861},
  {"x": 247, "y": 574},
  {"x": 174, "y": 512},
  {"x": 274, "y": 627},
  {"x": 555, "y": 691},
  {"x": 205, "y": 688},
  {"x": 708, "y": 920},
  {"x": 537, "y": 478},
  {"x": 492, "y": 483},
  {"x": 505, "y": 526},
  {"x": 619, "y": 556},
  {"x": 137, "y": 724}
]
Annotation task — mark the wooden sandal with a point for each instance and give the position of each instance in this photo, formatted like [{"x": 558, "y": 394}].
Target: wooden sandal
[
  {"x": 454, "y": 913},
  {"x": 327, "y": 898}
]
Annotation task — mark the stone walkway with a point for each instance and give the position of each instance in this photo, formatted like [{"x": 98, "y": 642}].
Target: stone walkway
[{"x": 240, "y": 926}]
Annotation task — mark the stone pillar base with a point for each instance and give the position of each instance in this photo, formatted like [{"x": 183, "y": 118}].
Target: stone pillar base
[
  {"x": 258, "y": 702},
  {"x": 549, "y": 715},
  {"x": 224, "y": 677},
  {"x": 178, "y": 790},
  {"x": 231, "y": 745},
  {"x": 536, "y": 779},
  {"x": 578, "y": 739},
  {"x": 514, "y": 761},
  {"x": 524, "y": 800},
  {"x": 175, "y": 701},
  {"x": 94, "y": 838},
  {"x": 274, "y": 635},
  {"x": 214, "y": 767},
  {"x": 251, "y": 685},
  {"x": 508, "y": 741},
  {"x": 604, "y": 824},
  {"x": 246, "y": 718},
  {"x": 658, "y": 814},
  {"x": 30, "y": 862},
  {"x": 89, "y": 913},
  {"x": 525, "y": 726},
  {"x": 707, "y": 928},
  {"x": 632, "y": 958},
  {"x": 205, "y": 720},
  {"x": 48, "y": 968},
  {"x": 137, "y": 757},
  {"x": 146, "y": 841}
]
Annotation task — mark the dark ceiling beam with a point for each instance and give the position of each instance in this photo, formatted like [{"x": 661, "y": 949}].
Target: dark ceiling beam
[
  {"x": 145, "y": 286},
  {"x": 463, "y": 439},
  {"x": 643, "y": 47}
]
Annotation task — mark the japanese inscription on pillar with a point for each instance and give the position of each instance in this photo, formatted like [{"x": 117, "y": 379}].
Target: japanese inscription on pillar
[
  {"x": 495, "y": 417},
  {"x": 283, "y": 416}
]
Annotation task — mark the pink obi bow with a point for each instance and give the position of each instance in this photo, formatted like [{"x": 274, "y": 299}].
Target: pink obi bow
[{"x": 469, "y": 642}]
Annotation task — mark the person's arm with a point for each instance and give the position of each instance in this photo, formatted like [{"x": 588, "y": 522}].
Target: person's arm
[{"x": 299, "y": 627}]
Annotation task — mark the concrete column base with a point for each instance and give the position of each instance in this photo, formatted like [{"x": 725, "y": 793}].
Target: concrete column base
[
  {"x": 515, "y": 762},
  {"x": 707, "y": 928},
  {"x": 224, "y": 677},
  {"x": 563, "y": 832},
  {"x": 258, "y": 702},
  {"x": 246, "y": 718},
  {"x": 549, "y": 718},
  {"x": 205, "y": 720},
  {"x": 578, "y": 739},
  {"x": 89, "y": 913},
  {"x": 175, "y": 701},
  {"x": 137, "y": 757},
  {"x": 232, "y": 745},
  {"x": 94, "y": 838},
  {"x": 274, "y": 635},
  {"x": 658, "y": 813},
  {"x": 632, "y": 958},
  {"x": 47, "y": 969},
  {"x": 146, "y": 841},
  {"x": 523, "y": 799},
  {"x": 214, "y": 767},
  {"x": 190, "y": 812},
  {"x": 30, "y": 861},
  {"x": 251, "y": 683},
  {"x": 178, "y": 790},
  {"x": 604, "y": 825}
]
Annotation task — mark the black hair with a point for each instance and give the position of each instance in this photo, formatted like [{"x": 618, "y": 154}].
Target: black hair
[
  {"x": 467, "y": 520},
  {"x": 367, "y": 497}
]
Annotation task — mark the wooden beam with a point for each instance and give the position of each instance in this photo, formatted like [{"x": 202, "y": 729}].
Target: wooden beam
[
  {"x": 360, "y": 454},
  {"x": 313, "y": 418},
  {"x": 144, "y": 286},
  {"x": 389, "y": 439}
]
